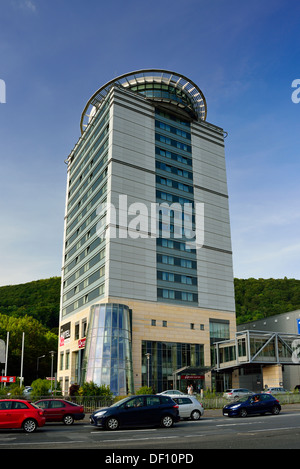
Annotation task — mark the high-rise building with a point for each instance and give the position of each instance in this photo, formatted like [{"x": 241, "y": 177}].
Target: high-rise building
[{"x": 147, "y": 279}]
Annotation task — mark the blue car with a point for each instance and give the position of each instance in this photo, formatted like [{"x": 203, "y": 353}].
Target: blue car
[
  {"x": 142, "y": 410},
  {"x": 255, "y": 404}
]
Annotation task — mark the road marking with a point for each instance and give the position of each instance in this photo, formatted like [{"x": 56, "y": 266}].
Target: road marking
[{"x": 43, "y": 443}]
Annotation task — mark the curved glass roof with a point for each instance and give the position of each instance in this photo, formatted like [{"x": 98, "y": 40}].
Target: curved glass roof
[{"x": 157, "y": 85}]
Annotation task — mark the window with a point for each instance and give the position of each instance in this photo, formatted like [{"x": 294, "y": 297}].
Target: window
[
  {"x": 192, "y": 326},
  {"x": 152, "y": 400},
  {"x": 168, "y": 276},
  {"x": 153, "y": 322},
  {"x": 168, "y": 294},
  {"x": 67, "y": 363},
  {"x": 165, "y": 323}
]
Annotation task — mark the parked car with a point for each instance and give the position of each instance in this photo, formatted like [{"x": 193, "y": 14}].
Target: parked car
[
  {"x": 60, "y": 410},
  {"x": 256, "y": 404},
  {"x": 276, "y": 391},
  {"x": 142, "y": 410},
  {"x": 189, "y": 407},
  {"x": 27, "y": 391},
  {"x": 18, "y": 413},
  {"x": 236, "y": 393},
  {"x": 172, "y": 392}
]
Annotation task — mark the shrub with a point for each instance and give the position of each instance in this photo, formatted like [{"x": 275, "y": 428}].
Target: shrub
[{"x": 145, "y": 390}]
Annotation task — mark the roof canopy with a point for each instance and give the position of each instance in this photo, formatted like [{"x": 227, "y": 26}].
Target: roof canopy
[{"x": 156, "y": 85}]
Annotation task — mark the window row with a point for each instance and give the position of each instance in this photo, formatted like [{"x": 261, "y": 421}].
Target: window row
[
  {"x": 83, "y": 269},
  {"x": 92, "y": 171},
  {"x": 172, "y": 244},
  {"x": 176, "y": 278},
  {"x": 177, "y": 295},
  {"x": 174, "y": 184},
  {"x": 172, "y": 130},
  {"x": 80, "y": 216},
  {"x": 84, "y": 149},
  {"x": 154, "y": 323},
  {"x": 87, "y": 195},
  {"x": 88, "y": 250},
  {"x": 177, "y": 261},
  {"x": 173, "y": 143},
  {"x": 173, "y": 198},
  {"x": 173, "y": 156},
  {"x": 172, "y": 117},
  {"x": 173, "y": 170},
  {"x": 98, "y": 292},
  {"x": 84, "y": 284}
]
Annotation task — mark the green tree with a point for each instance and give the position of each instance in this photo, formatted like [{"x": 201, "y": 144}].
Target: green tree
[
  {"x": 40, "y": 387},
  {"x": 38, "y": 341}
]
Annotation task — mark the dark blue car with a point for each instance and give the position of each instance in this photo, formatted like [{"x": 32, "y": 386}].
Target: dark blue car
[
  {"x": 142, "y": 410},
  {"x": 255, "y": 404}
]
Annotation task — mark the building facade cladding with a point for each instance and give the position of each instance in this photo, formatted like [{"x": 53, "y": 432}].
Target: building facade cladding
[{"x": 136, "y": 149}]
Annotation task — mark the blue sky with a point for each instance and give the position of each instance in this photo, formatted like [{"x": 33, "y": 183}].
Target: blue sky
[{"x": 244, "y": 55}]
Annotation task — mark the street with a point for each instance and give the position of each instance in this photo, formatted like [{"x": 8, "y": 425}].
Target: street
[{"x": 213, "y": 431}]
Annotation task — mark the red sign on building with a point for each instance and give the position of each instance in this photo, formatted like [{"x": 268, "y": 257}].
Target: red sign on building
[{"x": 81, "y": 343}]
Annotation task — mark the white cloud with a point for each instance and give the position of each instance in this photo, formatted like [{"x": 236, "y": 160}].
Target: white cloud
[{"x": 24, "y": 5}]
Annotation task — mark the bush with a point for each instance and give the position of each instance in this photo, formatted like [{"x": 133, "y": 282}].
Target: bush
[
  {"x": 92, "y": 389},
  {"x": 145, "y": 390},
  {"x": 40, "y": 387}
]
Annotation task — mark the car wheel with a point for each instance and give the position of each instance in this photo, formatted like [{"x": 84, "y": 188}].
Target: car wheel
[
  {"x": 112, "y": 423},
  {"x": 29, "y": 426},
  {"x": 275, "y": 410},
  {"x": 195, "y": 415},
  {"x": 243, "y": 413},
  {"x": 167, "y": 421},
  {"x": 68, "y": 420}
]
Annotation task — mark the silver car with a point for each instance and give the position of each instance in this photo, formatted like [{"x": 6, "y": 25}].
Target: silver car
[
  {"x": 189, "y": 407},
  {"x": 172, "y": 392},
  {"x": 237, "y": 393},
  {"x": 277, "y": 391}
]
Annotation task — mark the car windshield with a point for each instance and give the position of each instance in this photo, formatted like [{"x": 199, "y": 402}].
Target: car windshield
[
  {"x": 116, "y": 404},
  {"x": 34, "y": 405},
  {"x": 242, "y": 399}
]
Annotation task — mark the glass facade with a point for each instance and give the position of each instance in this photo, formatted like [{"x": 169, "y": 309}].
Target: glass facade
[
  {"x": 108, "y": 358},
  {"x": 165, "y": 358}
]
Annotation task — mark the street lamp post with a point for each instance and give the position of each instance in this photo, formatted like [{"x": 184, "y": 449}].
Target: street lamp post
[
  {"x": 37, "y": 365},
  {"x": 52, "y": 357},
  {"x": 148, "y": 368}
]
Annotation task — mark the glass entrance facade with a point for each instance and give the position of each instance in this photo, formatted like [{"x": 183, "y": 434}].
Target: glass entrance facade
[
  {"x": 164, "y": 359},
  {"x": 108, "y": 358}
]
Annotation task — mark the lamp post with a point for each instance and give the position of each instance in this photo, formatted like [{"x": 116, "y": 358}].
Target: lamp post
[
  {"x": 148, "y": 368},
  {"x": 37, "y": 365},
  {"x": 52, "y": 357}
]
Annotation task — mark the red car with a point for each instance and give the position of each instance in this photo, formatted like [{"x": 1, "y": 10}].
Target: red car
[
  {"x": 17, "y": 413},
  {"x": 60, "y": 410}
]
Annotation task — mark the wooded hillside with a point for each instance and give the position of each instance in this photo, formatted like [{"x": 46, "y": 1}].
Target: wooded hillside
[
  {"x": 255, "y": 299},
  {"x": 259, "y": 298}
]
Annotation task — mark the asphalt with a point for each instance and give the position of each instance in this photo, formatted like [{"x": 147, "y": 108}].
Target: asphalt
[{"x": 213, "y": 413}]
